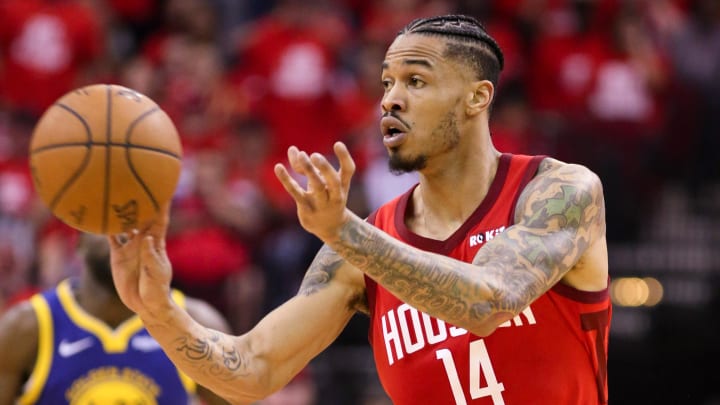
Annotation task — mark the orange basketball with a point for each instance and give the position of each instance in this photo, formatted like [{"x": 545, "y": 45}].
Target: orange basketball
[{"x": 104, "y": 159}]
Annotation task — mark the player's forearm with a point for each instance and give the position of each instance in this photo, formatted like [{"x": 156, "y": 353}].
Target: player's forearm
[
  {"x": 438, "y": 285},
  {"x": 209, "y": 357}
]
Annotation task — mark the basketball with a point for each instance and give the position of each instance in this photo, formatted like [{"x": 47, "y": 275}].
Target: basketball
[{"x": 105, "y": 158}]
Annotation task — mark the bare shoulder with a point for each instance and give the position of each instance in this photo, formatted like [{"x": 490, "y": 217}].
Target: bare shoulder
[
  {"x": 563, "y": 195},
  {"x": 567, "y": 200},
  {"x": 18, "y": 338},
  {"x": 20, "y": 322},
  {"x": 329, "y": 268},
  {"x": 206, "y": 315},
  {"x": 567, "y": 171}
]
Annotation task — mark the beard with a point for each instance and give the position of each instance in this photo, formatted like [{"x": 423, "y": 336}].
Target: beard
[
  {"x": 446, "y": 132},
  {"x": 399, "y": 165}
]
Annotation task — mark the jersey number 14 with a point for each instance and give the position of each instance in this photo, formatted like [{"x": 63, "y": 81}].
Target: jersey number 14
[{"x": 480, "y": 365}]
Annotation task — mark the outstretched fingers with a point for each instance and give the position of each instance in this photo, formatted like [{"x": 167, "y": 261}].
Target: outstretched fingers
[
  {"x": 324, "y": 182},
  {"x": 302, "y": 164},
  {"x": 307, "y": 166},
  {"x": 330, "y": 178},
  {"x": 347, "y": 164},
  {"x": 289, "y": 184}
]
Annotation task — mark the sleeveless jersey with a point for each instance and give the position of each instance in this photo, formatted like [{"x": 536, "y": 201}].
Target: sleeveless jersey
[
  {"x": 82, "y": 361},
  {"x": 553, "y": 353}
]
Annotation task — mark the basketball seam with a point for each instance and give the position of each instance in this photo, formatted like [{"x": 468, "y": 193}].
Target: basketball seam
[
  {"x": 114, "y": 144},
  {"x": 128, "y": 135},
  {"x": 84, "y": 164},
  {"x": 108, "y": 157}
]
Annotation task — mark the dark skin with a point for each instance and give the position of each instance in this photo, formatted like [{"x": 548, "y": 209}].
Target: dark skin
[
  {"x": 437, "y": 123},
  {"x": 19, "y": 327}
]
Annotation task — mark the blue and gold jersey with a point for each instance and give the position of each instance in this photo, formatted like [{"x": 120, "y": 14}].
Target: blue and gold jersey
[{"x": 82, "y": 361}]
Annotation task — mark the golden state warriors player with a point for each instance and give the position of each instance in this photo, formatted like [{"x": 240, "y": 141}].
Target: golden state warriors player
[{"x": 78, "y": 344}]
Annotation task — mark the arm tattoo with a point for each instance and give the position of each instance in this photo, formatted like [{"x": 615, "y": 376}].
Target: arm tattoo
[
  {"x": 201, "y": 354},
  {"x": 321, "y": 271},
  {"x": 558, "y": 215},
  {"x": 196, "y": 349},
  {"x": 429, "y": 282}
]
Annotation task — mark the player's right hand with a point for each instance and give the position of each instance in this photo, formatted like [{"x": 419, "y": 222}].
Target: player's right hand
[{"x": 141, "y": 269}]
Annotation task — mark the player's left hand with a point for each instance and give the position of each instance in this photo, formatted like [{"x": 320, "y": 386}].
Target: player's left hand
[
  {"x": 141, "y": 270},
  {"x": 321, "y": 207}
]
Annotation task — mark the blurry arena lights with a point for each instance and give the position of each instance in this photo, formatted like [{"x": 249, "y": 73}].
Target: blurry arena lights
[{"x": 635, "y": 291}]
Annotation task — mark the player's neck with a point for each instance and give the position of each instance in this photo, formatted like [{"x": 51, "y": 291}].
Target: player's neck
[
  {"x": 447, "y": 197},
  {"x": 459, "y": 183}
]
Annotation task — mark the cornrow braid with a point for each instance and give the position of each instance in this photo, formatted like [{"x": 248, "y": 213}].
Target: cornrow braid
[{"x": 466, "y": 30}]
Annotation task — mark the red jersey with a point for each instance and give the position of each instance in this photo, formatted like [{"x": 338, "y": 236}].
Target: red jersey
[{"x": 553, "y": 353}]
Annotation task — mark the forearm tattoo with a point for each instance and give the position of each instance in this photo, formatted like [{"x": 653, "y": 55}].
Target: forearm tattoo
[
  {"x": 215, "y": 355},
  {"x": 558, "y": 215},
  {"x": 428, "y": 282}
]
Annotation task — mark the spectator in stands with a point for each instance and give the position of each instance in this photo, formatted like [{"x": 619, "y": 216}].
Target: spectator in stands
[
  {"x": 287, "y": 65},
  {"x": 22, "y": 216},
  {"x": 47, "y": 48}
]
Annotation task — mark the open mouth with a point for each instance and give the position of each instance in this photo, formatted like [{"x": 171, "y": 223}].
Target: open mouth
[
  {"x": 394, "y": 135},
  {"x": 392, "y": 131},
  {"x": 392, "y": 126}
]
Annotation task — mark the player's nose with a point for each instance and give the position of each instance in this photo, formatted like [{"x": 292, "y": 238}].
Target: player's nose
[{"x": 393, "y": 100}]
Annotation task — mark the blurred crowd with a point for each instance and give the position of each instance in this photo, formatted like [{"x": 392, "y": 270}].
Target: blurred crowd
[{"x": 627, "y": 87}]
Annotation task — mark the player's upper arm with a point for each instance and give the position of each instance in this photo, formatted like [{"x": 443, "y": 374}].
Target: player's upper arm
[
  {"x": 285, "y": 341},
  {"x": 559, "y": 215},
  {"x": 563, "y": 197},
  {"x": 18, "y": 349}
]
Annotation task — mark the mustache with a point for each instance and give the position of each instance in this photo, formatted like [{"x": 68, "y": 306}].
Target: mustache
[{"x": 392, "y": 114}]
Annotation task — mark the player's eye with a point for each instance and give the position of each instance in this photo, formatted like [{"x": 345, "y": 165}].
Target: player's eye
[
  {"x": 416, "y": 82},
  {"x": 386, "y": 84}
]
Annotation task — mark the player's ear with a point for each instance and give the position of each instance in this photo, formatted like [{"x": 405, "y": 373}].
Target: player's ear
[{"x": 479, "y": 97}]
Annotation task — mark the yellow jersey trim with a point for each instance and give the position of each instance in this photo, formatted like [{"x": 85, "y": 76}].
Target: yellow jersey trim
[
  {"x": 113, "y": 341},
  {"x": 38, "y": 376}
]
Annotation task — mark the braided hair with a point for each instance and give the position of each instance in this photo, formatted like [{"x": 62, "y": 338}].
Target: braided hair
[{"x": 467, "y": 41}]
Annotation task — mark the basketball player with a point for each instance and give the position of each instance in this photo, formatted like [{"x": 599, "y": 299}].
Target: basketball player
[
  {"x": 78, "y": 344},
  {"x": 486, "y": 283}
]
